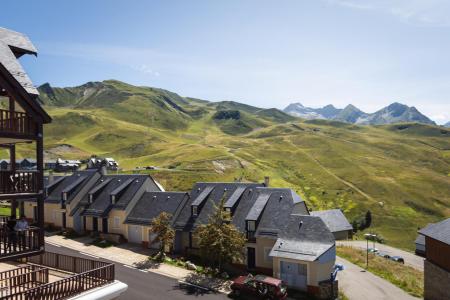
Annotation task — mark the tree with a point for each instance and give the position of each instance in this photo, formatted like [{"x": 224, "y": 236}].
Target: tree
[
  {"x": 161, "y": 227},
  {"x": 220, "y": 241},
  {"x": 355, "y": 226},
  {"x": 368, "y": 219}
]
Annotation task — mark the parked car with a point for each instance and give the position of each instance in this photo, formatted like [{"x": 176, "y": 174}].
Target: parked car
[
  {"x": 259, "y": 286},
  {"x": 398, "y": 259},
  {"x": 382, "y": 254},
  {"x": 373, "y": 250}
]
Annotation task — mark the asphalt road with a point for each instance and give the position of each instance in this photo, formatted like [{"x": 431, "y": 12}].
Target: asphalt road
[
  {"x": 411, "y": 259},
  {"x": 358, "y": 284},
  {"x": 147, "y": 285}
]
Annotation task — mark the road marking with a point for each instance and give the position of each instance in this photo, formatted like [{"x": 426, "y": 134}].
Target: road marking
[
  {"x": 53, "y": 244},
  {"x": 87, "y": 254},
  {"x": 129, "y": 267}
]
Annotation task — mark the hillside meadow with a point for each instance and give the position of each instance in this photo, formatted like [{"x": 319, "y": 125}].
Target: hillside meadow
[{"x": 400, "y": 172}]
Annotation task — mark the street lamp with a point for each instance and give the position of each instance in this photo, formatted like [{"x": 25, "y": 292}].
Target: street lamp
[{"x": 369, "y": 236}]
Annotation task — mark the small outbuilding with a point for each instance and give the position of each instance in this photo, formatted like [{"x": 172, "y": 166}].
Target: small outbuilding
[{"x": 336, "y": 222}]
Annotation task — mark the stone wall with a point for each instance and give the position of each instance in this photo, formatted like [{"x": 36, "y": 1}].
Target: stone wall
[{"x": 437, "y": 282}]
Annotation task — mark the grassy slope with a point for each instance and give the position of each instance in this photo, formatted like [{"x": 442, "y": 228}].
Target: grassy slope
[{"x": 400, "y": 172}]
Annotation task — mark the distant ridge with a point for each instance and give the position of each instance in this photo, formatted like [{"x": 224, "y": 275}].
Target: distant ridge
[{"x": 394, "y": 113}]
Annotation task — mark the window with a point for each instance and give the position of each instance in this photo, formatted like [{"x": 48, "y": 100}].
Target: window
[
  {"x": 267, "y": 256},
  {"x": 113, "y": 199},
  {"x": 194, "y": 210},
  {"x": 302, "y": 269},
  {"x": 64, "y": 196},
  {"x": 116, "y": 223},
  {"x": 251, "y": 226},
  {"x": 91, "y": 198}
]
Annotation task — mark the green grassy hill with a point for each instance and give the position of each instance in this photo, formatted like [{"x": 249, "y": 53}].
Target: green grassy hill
[{"x": 400, "y": 172}]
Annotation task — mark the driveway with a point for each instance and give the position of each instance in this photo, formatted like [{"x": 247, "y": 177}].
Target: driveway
[
  {"x": 358, "y": 284},
  {"x": 147, "y": 285},
  {"x": 411, "y": 259}
]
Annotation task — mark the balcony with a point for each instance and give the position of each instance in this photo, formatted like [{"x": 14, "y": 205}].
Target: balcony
[
  {"x": 18, "y": 182},
  {"x": 16, "y": 124},
  {"x": 15, "y": 244},
  {"x": 32, "y": 280}
]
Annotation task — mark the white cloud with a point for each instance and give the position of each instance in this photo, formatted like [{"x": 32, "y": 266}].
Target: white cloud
[{"x": 417, "y": 12}]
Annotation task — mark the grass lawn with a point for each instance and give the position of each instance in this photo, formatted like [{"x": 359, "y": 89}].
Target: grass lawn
[
  {"x": 5, "y": 211},
  {"x": 405, "y": 277}
]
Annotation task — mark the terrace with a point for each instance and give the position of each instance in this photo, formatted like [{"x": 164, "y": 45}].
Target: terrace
[
  {"x": 16, "y": 124},
  {"x": 52, "y": 276}
]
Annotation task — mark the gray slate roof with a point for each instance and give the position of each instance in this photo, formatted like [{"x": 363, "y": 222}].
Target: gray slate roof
[
  {"x": 13, "y": 45},
  {"x": 420, "y": 240},
  {"x": 151, "y": 204},
  {"x": 438, "y": 231},
  {"x": 101, "y": 204},
  {"x": 277, "y": 211},
  {"x": 303, "y": 238},
  {"x": 219, "y": 191},
  {"x": 334, "y": 219},
  {"x": 55, "y": 193}
]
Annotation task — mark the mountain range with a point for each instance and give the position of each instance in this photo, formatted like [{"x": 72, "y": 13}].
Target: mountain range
[
  {"x": 394, "y": 113},
  {"x": 330, "y": 164}
]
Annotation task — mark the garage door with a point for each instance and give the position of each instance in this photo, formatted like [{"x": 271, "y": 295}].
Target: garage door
[
  {"x": 134, "y": 234},
  {"x": 294, "y": 274},
  {"x": 151, "y": 238}
]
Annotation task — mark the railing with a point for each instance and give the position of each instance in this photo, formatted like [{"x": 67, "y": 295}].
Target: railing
[
  {"x": 101, "y": 274},
  {"x": 16, "y": 122},
  {"x": 65, "y": 262},
  {"x": 18, "y": 182},
  {"x": 19, "y": 242},
  {"x": 21, "y": 279}
]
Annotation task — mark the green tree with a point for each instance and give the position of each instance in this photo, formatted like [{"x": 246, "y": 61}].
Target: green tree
[
  {"x": 220, "y": 241},
  {"x": 161, "y": 227},
  {"x": 368, "y": 219}
]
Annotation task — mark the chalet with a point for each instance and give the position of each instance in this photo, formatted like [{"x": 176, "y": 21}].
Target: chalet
[
  {"x": 97, "y": 163},
  {"x": 148, "y": 207},
  {"x": 437, "y": 262},
  {"x": 22, "y": 121},
  {"x": 21, "y": 164},
  {"x": 103, "y": 209},
  {"x": 336, "y": 222},
  {"x": 303, "y": 255},
  {"x": 65, "y": 165}
]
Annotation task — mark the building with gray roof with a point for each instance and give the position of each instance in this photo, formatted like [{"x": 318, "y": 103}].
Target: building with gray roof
[{"x": 336, "y": 222}]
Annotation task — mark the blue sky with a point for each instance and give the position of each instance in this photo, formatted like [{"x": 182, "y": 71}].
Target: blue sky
[{"x": 265, "y": 53}]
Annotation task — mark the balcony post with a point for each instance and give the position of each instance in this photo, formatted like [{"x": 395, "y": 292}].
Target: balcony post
[
  {"x": 40, "y": 181},
  {"x": 12, "y": 166}
]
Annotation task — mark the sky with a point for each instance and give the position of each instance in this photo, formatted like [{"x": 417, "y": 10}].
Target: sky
[{"x": 369, "y": 53}]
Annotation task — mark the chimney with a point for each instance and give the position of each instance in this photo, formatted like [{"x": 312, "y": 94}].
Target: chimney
[
  {"x": 51, "y": 178},
  {"x": 103, "y": 170},
  {"x": 266, "y": 181}
]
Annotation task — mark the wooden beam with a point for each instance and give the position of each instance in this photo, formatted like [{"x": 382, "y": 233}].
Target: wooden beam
[{"x": 40, "y": 168}]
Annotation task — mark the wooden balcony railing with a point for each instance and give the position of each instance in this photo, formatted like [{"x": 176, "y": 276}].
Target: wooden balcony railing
[
  {"x": 18, "y": 182},
  {"x": 16, "y": 122},
  {"x": 22, "y": 279},
  {"x": 15, "y": 243},
  {"x": 95, "y": 274}
]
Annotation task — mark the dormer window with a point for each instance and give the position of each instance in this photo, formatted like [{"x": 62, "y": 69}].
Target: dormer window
[
  {"x": 64, "y": 196},
  {"x": 251, "y": 225},
  {"x": 194, "y": 210},
  {"x": 113, "y": 199},
  {"x": 228, "y": 209},
  {"x": 91, "y": 198}
]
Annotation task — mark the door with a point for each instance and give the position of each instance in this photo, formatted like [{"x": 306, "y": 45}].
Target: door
[
  {"x": 294, "y": 274},
  {"x": 251, "y": 258},
  {"x": 151, "y": 244},
  {"x": 64, "y": 221},
  {"x": 105, "y": 225},
  {"x": 134, "y": 234},
  {"x": 84, "y": 223},
  {"x": 94, "y": 224}
]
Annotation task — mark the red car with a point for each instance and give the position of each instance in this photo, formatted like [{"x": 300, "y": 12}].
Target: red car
[{"x": 260, "y": 286}]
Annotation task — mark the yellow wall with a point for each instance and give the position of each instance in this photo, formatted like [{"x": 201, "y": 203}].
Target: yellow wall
[
  {"x": 261, "y": 245},
  {"x": 52, "y": 212},
  {"x": 122, "y": 229}
]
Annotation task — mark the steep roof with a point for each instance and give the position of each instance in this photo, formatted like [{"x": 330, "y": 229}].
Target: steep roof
[
  {"x": 13, "y": 76},
  {"x": 207, "y": 195},
  {"x": 334, "y": 219},
  {"x": 151, "y": 204},
  {"x": 101, "y": 203},
  {"x": 281, "y": 204},
  {"x": 303, "y": 238},
  {"x": 438, "y": 231},
  {"x": 55, "y": 193}
]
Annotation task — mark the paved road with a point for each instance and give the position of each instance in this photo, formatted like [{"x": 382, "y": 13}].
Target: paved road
[
  {"x": 147, "y": 285},
  {"x": 411, "y": 259},
  {"x": 358, "y": 284}
]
